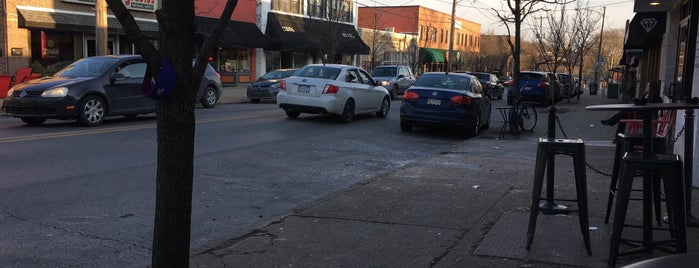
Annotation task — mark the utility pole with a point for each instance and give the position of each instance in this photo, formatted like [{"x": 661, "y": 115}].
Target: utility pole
[
  {"x": 598, "y": 65},
  {"x": 451, "y": 37},
  {"x": 101, "y": 27}
]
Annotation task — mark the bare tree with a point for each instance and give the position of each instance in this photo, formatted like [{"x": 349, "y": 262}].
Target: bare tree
[
  {"x": 378, "y": 41},
  {"x": 517, "y": 12},
  {"x": 585, "y": 22},
  {"x": 175, "y": 120}
]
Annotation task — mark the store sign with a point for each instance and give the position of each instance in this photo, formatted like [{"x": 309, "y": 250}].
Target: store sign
[{"x": 140, "y": 5}]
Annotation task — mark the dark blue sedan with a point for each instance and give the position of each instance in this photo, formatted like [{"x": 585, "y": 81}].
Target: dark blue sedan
[{"x": 438, "y": 99}]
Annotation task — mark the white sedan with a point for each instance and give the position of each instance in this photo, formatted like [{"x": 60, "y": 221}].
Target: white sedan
[{"x": 332, "y": 89}]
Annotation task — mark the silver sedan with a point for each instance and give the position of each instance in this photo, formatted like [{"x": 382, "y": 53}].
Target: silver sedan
[{"x": 332, "y": 89}]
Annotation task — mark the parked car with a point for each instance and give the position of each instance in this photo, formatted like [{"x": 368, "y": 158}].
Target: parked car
[
  {"x": 267, "y": 86},
  {"x": 93, "y": 88},
  {"x": 491, "y": 86},
  {"x": 395, "y": 78},
  {"x": 454, "y": 100},
  {"x": 568, "y": 85},
  {"x": 333, "y": 89},
  {"x": 534, "y": 87},
  {"x": 557, "y": 86}
]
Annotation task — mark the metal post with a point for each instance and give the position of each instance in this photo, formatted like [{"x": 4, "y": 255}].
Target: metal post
[
  {"x": 451, "y": 38},
  {"x": 599, "y": 49},
  {"x": 689, "y": 158},
  {"x": 550, "y": 207}
]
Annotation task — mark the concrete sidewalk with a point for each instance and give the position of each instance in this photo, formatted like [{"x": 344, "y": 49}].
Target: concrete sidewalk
[{"x": 465, "y": 207}]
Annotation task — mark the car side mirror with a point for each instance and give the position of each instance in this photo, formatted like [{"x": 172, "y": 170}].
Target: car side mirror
[{"x": 117, "y": 77}]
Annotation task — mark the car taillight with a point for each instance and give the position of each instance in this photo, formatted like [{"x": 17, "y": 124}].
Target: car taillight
[
  {"x": 282, "y": 85},
  {"x": 409, "y": 95},
  {"x": 543, "y": 84},
  {"x": 330, "y": 89},
  {"x": 465, "y": 100}
]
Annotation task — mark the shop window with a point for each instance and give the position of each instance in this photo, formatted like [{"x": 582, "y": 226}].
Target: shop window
[
  {"x": 317, "y": 8},
  {"x": 273, "y": 60},
  {"x": 51, "y": 51},
  {"x": 235, "y": 60},
  {"x": 340, "y": 10},
  {"x": 291, "y": 6}
]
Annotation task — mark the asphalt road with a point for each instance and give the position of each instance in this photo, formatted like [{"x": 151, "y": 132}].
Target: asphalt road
[{"x": 72, "y": 196}]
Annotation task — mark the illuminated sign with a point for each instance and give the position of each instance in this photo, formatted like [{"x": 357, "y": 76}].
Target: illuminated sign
[{"x": 140, "y": 5}]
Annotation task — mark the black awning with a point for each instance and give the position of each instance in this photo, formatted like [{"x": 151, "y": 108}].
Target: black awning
[
  {"x": 643, "y": 27},
  {"x": 77, "y": 21},
  {"x": 236, "y": 34},
  {"x": 293, "y": 33}
]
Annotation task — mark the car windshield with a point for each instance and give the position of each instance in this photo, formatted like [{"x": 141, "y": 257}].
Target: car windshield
[
  {"x": 278, "y": 74},
  {"x": 482, "y": 77},
  {"x": 530, "y": 76},
  {"x": 379, "y": 72},
  {"x": 443, "y": 81},
  {"x": 319, "y": 72},
  {"x": 87, "y": 67}
]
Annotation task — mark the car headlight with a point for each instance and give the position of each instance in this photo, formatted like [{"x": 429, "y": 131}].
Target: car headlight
[
  {"x": 55, "y": 92},
  {"x": 385, "y": 83}
]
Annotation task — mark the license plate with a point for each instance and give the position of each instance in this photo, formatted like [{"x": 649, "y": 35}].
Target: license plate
[
  {"x": 304, "y": 89},
  {"x": 434, "y": 101},
  {"x": 526, "y": 88}
]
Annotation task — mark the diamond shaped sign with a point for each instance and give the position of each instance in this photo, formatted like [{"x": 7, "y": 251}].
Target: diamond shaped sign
[{"x": 648, "y": 23}]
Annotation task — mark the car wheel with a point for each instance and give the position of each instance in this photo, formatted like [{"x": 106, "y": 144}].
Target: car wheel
[
  {"x": 292, "y": 114},
  {"x": 405, "y": 126},
  {"x": 487, "y": 123},
  {"x": 91, "y": 111},
  {"x": 209, "y": 98},
  {"x": 474, "y": 131},
  {"x": 394, "y": 92},
  {"x": 255, "y": 100},
  {"x": 385, "y": 107},
  {"x": 33, "y": 120},
  {"x": 347, "y": 112}
]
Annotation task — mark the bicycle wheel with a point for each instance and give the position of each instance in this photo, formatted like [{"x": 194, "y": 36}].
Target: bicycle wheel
[
  {"x": 515, "y": 122},
  {"x": 528, "y": 118}
]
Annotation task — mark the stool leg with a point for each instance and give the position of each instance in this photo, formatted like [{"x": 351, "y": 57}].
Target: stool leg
[
  {"x": 615, "y": 177},
  {"x": 656, "y": 199},
  {"x": 581, "y": 188},
  {"x": 674, "y": 182},
  {"x": 541, "y": 160},
  {"x": 622, "y": 204}
]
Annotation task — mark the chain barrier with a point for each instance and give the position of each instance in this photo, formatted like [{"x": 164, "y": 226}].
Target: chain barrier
[{"x": 560, "y": 126}]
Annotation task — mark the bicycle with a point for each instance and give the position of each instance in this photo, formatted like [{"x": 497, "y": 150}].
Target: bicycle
[{"x": 522, "y": 117}]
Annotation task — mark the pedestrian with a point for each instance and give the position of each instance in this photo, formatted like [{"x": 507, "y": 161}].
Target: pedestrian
[{"x": 650, "y": 94}]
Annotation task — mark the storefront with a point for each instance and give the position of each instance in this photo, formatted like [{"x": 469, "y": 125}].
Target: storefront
[
  {"x": 48, "y": 39},
  {"x": 299, "y": 41},
  {"x": 236, "y": 57}
]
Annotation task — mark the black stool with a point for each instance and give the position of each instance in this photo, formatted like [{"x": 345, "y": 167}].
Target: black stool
[
  {"x": 546, "y": 150},
  {"x": 625, "y": 143},
  {"x": 670, "y": 168}
]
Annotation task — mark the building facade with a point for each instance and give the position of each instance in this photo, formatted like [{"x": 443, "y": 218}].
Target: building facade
[
  {"x": 47, "y": 35},
  {"x": 661, "y": 45},
  {"x": 261, "y": 35},
  {"x": 387, "y": 47},
  {"x": 433, "y": 29}
]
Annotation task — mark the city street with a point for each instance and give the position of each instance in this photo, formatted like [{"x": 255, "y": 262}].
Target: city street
[{"x": 84, "y": 197}]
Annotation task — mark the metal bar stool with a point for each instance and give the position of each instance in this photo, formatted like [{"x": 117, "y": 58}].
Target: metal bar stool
[
  {"x": 627, "y": 143},
  {"x": 670, "y": 168},
  {"x": 547, "y": 149}
]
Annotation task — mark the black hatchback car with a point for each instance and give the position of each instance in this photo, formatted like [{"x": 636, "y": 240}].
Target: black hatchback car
[{"x": 91, "y": 89}]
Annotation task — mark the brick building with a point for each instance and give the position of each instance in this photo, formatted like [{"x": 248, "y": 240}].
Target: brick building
[{"x": 433, "y": 30}]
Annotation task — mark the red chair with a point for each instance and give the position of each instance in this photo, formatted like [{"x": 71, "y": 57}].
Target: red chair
[
  {"x": 21, "y": 75},
  {"x": 32, "y": 77},
  {"x": 5, "y": 84},
  {"x": 661, "y": 126}
]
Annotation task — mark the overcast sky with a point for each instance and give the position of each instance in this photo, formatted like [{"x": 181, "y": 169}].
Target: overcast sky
[{"x": 480, "y": 11}]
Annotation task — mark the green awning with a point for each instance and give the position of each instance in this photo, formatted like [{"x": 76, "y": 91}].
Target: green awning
[{"x": 432, "y": 55}]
